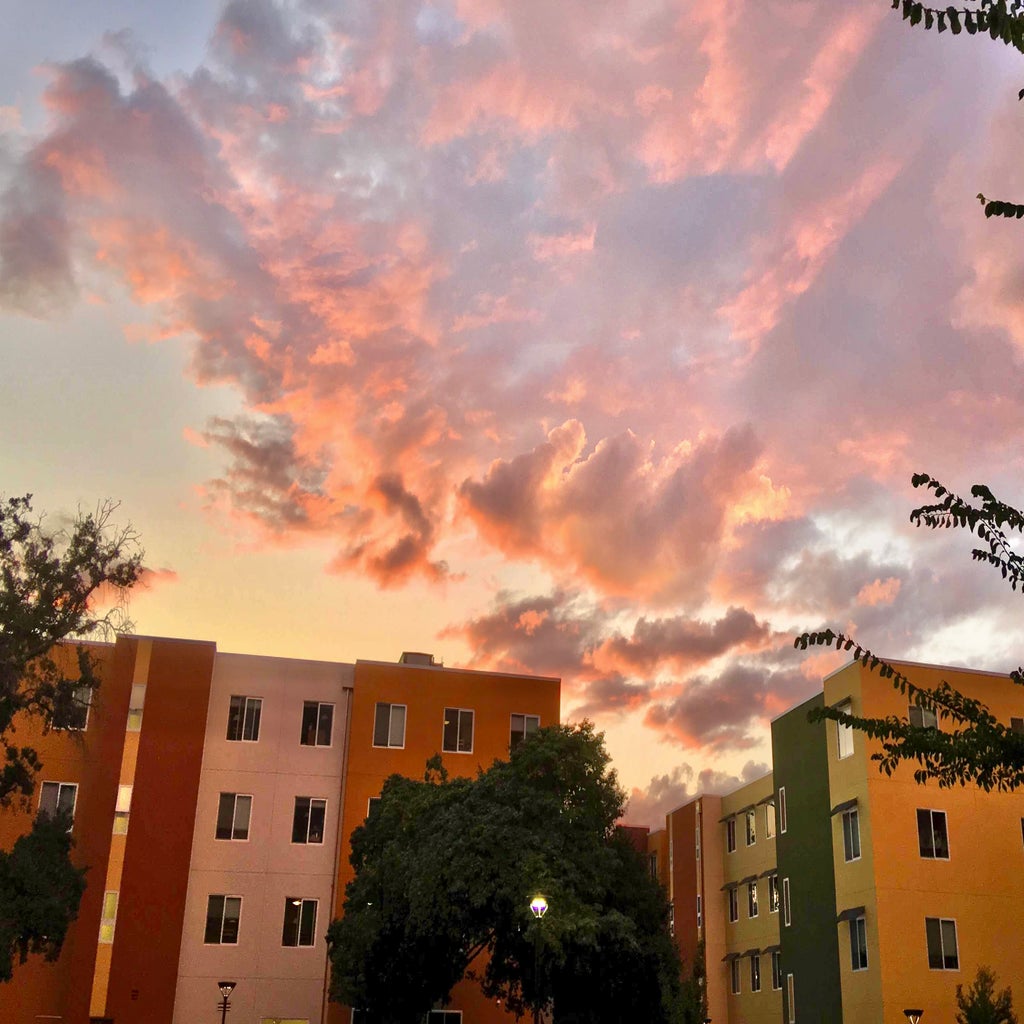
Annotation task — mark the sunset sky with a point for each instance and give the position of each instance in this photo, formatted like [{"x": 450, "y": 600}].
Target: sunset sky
[{"x": 595, "y": 338}]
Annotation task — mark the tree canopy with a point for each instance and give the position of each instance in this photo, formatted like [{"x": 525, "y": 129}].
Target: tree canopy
[
  {"x": 978, "y": 747},
  {"x": 981, "y": 1005},
  {"x": 50, "y": 583},
  {"x": 445, "y": 870}
]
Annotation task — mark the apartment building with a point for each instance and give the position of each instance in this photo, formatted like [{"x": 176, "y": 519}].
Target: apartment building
[
  {"x": 846, "y": 894},
  {"x": 213, "y": 796}
]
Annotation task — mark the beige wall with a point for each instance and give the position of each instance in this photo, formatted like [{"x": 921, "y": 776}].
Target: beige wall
[{"x": 273, "y": 980}]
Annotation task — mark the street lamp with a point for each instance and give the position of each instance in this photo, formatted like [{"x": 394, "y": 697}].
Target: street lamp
[
  {"x": 914, "y": 1016},
  {"x": 539, "y": 907},
  {"x": 226, "y": 988}
]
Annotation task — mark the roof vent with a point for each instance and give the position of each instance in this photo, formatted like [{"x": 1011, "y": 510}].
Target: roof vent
[{"x": 418, "y": 658}]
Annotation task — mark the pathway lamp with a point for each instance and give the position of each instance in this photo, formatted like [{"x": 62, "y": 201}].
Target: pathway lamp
[
  {"x": 226, "y": 988},
  {"x": 538, "y": 907}
]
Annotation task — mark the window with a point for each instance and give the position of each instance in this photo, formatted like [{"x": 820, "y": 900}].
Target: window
[
  {"x": 858, "y": 944},
  {"x": 923, "y": 718},
  {"x": 135, "y": 707},
  {"x": 652, "y": 864},
  {"x": 299, "y": 922},
  {"x": 751, "y": 899},
  {"x": 58, "y": 798},
  {"x": 389, "y": 725},
  {"x": 931, "y": 834},
  {"x": 751, "y": 827},
  {"x": 233, "y": 815},
  {"x": 71, "y": 708},
  {"x": 122, "y": 809},
  {"x": 371, "y": 803},
  {"x": 734, "y": 904},
  {"x": 444, "y": 1017},
  {"x": 696, "y": 836},
  {"x": 457, "y": 735},
  {"x": 1017, "y": 724},
  {"x": 769, "y": 819},
  {"x": 776, "y": 970},
  {"x": 108, "y": 917},
  {"x": 734, "y": 968},
  {"x": 851, "y": 835},
  {"x": 782, "y": 809},
  {"x": 730, "y": 835},
  {"x": 671, "y": 919},
  {"x": 222, "y": 914},
  {"x": 941, "y": 937},
  {"x": 787, "y": 916},
  {"x": 521, "y": 727},
  {"x": 700, "y": 911},
  {"x": 317, "y": 721},
  {"x": 755, "y": 972},
  {"x": 308, "y": 821},
  {"x": 244, "y": 719},
  {"x": 790, "y": 1000},
  {"x": 773, "y": 894},
  {"x": 844, "y": 733}
]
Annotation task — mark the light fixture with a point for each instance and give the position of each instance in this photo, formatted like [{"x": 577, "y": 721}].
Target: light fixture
[
  {"x": 539, "y": 906},
  {"x": 226, "y": 987},
  {"x": 914, "y": 1016}
]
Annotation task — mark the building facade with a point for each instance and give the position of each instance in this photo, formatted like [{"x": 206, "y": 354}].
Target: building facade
[
  {"x": 826, "y": 891},
  {"x": 213, "y": 796}
]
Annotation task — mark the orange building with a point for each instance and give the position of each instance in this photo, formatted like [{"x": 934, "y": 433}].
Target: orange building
[{"x": 213, "y": 796}]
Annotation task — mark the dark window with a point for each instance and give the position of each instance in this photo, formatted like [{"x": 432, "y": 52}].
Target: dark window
[
  {"x": 458, "y": 731},
  {"x": 730, "y": 835},
  {"x": 776, "y": 971},
  {"x": 317, "y": 720},
  {"x": 244, "y": 718},
  {"x": 922, "y": 718},
  {"x": 71, "y": 707},
  {"x": 931, "y": 834},
  {"x": 751, "y": 899},
  {"x": 444, "y": 1017},
  {"x": 941, "y": 937},
  {"x": 299, "y": 922},
  {"x": 233, "y": 815},
  {"x": 782, "y": 809},
  {"x": 851, "y": 835},
  {"x": 734, "y": 971},
  {"x": 734, "y": 904},
  {"x": 858, "y": 944},
  {"x": 521, "y": 727},
  {"x": 389, "y": 725},
  {"x": 751, "y": 827},
  {"x": 773, "y": 894},
  {"x": 1017, "y": 724},
  {"x": 755, "y": 973},
  {"x": 222, "y": 914},
  {"x": 652, "y": 862},
  {"x": 787, "y": 914},
  {"x": 58, "y": 798},
  {"x": 308, "y": 821}
]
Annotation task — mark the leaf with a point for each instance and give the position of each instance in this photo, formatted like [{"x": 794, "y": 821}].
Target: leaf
[{"x": 954, "y": 20}]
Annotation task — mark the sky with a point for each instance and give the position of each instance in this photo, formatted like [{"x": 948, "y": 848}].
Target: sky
[{"x": 593, "y": 339}]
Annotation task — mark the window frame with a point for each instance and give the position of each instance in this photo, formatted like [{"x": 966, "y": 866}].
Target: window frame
[
  {"x": 514, "y": 738},
  {"x": 391, "y": 706},
  {"x": 774, "y": 900},
  {"x": 851, "y": 835},
  {"x": 735, "y": 986},
  {"x": 790, "y": 999},
  {"x": 78, "y": 703},
  {"x": 858, "y": 943},
  {"x": 939, "y": 922},
  {"x": 441, "y": 1016},
  {"x": 700, "y": 911},
  {"x": 931, "y": 813},
  {"x": 108, "y": 920},
  {"x": 458, "y": 748},
  {"x": 770, "y": 825},
  {"x": 224, "y": 897},
  {"x": 844, "y": 733},
  {"x": 730, "y": 835},
  {"x": 233, "y": 838},
  {"x": 301, "y": 903},
  {"x": 244, "y": 722},
  {"x": 310, "y": 801},
  {"x": 776, "y": 970},
  {"x": 734, "y": 904},
  {"x": 787, "y": 908},
  {"x": 317, "y": 706},
  {"x": 755, "y": 972},
  {"x": 136, "y": 708},
  {"x": 922, "y": 714},
  {"x": 752, "y": 908},
  {"x": 751, "y": 826},
  {"x": 781, "y": 810}
]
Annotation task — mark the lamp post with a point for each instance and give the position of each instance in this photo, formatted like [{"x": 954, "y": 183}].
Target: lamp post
[
  {"x": 913, "y": 1016},
  {"x": 226, "y": 988},
  {"x": 539, "y": 907}
]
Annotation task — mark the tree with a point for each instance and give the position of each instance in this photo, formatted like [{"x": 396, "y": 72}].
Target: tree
[
  {"x": 979, "y": 748},
  {"x": 981, "y": 1005},
  {"x": 50, "y": 582},
  {"x": 445, "y": 870},
  {"x": 1000, "y": 20}
]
